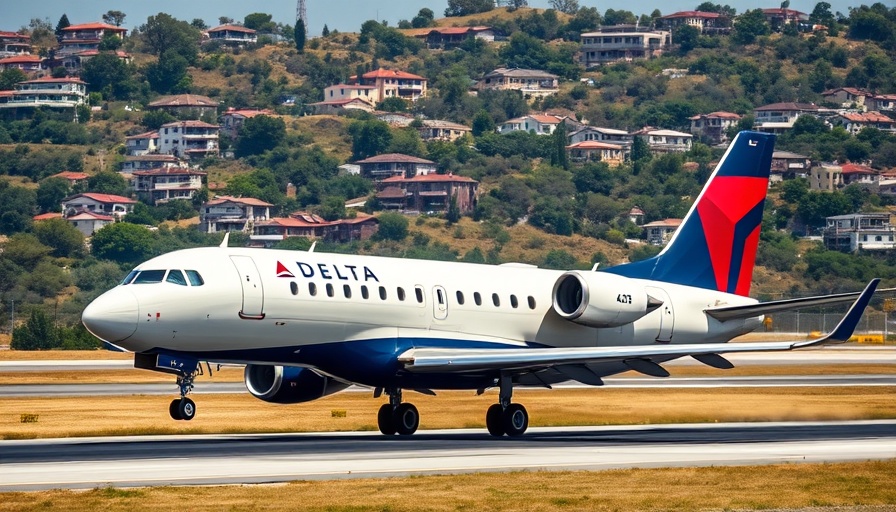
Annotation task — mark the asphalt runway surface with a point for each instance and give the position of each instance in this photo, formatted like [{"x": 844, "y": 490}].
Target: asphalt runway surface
[{"x": 268, "y": 458}]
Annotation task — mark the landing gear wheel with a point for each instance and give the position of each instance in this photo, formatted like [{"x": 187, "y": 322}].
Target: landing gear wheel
[
  {"x": 494, "y": 420},
  {"x": 406, "y": 419},
  {"x": 516, "y": 420},
  {"x": 186, "y": 408},
  {"x": 173, "y": 409},
  {"x": 384, "y": 420}
]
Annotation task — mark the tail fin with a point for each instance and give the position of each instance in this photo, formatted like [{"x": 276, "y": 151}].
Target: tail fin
[{"x": 715, "y": 246}]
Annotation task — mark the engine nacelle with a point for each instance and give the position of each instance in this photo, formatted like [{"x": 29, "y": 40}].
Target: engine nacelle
[
  {"x": 601, "y": 299},
  {"x": 289, "y": 384}
]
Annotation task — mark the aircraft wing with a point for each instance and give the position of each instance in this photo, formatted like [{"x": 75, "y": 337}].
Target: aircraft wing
[
  {"x": 763, "y": 308},
  {"x": 637, "y": 357}
]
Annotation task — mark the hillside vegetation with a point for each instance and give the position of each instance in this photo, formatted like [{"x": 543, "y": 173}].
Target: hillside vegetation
[{"x": 535, "y": 207}]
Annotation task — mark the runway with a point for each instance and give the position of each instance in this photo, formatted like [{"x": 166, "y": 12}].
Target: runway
[
  {"x": 232, "y": 459},
  {"x": 207, "y": 388}
]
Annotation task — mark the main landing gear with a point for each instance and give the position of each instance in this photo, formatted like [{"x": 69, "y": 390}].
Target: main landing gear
[
  {"x": 183, "y": 408},
  {"x": 397, "y": 417},
  {"x": 505, "y": 417}
]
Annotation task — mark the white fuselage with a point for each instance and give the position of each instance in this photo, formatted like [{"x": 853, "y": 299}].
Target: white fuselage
[{"x": 245, "y": 312}]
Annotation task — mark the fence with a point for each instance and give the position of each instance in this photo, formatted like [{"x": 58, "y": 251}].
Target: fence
[{"x": 874, "y": 327}]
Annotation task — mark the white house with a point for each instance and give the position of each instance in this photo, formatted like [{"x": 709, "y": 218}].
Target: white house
[
  {"x": 107, "y": 204},
  {"x": 189, "y": 139},
  {"x": 540, "y": 124},
  {"x": 227, "y": 213},
  {"x": 142, "y": 144}
]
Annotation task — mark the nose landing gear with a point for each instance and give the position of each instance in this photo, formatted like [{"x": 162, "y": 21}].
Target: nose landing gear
[{"x": 184, "y": 408}]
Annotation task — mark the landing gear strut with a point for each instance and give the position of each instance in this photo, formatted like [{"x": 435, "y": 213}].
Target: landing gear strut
[
  {"x": 505, "y": 417},
  {"x": 397, "y": 417},
  {"x": 183, "y": 408}
]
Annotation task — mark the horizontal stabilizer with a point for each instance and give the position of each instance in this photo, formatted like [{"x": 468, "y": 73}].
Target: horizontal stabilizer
[
  {"x": 764, "y": 308},
  {"x": 640, "y": 358}
]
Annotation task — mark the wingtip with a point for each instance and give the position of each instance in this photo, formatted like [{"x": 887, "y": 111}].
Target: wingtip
[{"x": 850, "y": 320}]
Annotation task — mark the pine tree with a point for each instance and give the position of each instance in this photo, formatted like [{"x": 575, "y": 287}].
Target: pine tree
[
  {"x": 63, "y": 24},
  {"x": 300, "y": 35},
  {"x": 326, "y": 31}
]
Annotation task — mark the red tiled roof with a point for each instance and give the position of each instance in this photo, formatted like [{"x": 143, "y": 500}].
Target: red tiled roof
[
  {"x": 663, "y": 223},
  {"x": 394, "y": 157},
  {"x": 391, "y": 193},
  {"x": 184, "y": 100},
  {"x": 191, "y": 124},
  {"x": 51, "y": 80},
  {"x": 593, "y": 144},
  {"x": 231, "y": 28},
  {"x": 342, "y": 102},
  {"x": 14, "y": 35},
  {"x": 292, "y": 222},
  {"x": 251, "y": 201},
  {"x": 91, "y": 53},
  {"x": 103, "y": 198},
  {"x": 21, "y": 59},
  {"x": 94, "y": 26},
  {"x": 717, "y": 115},
  {"x": 69, "y": 175},
  {"x": 851, "y": 90},
  {"x": 86, "y": 214},
  {"x": 170, "y": 171},
  {"x": 431, "y": 178},
  {"x": 391, "y": 73},
  {"x": 788, "y": 106},
  {"x": 867, "y": 117},
  {"x": 47, "y": 216},
  {"x": 248, "y": 113},
  {"x": 147, "y": 135},
  {"x": 361, "y": 217},
  {"x": 850, "y": 168},
  {"x": 691, "y": 14}
]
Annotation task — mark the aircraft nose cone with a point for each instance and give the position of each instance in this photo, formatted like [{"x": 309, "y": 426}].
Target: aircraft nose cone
[{"x": 112, "y": 316}]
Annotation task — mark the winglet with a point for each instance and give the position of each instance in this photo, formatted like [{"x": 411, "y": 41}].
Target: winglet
[
  {"x": 848, "y": 323},
  {"x": 226, "y": 240}
]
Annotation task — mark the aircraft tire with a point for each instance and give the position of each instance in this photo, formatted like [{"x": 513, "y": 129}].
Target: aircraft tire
[
  {"x": 173, "y": 409},
  {"x": 516, "y": 420},
  {"x": 494, "y": 420},
  {"x": 384, "y": 420},
  {"x": 186, "y": 408},
  {"x": 406, "y": 419}
]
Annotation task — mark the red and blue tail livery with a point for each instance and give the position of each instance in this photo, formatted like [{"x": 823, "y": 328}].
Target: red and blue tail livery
[{"x": 715, "y": 247}]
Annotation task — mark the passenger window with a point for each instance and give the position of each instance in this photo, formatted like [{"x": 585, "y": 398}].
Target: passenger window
[
  {"x": 312, "y": 289},
  {"x": 130, "y": 277},
  {"x": 149, "y": 276},
  {"x": 513, "y": 302},
  {"x": 460, "y": 297},
  {"x": 364, "y": 293},
  {"x": 419, "y": 293},
  {"x": 531, "y": 302},
  {"x": 347, "y": 291},
  {"x": 401, "y": 294},
  {"x": 294, "y": 287},
  {"x": 382, "y": 293},
  {"x": 176, "y": 277},
  {"x": 440, "y": 296},
  {"x": 195, "y": 278},
  {"x": 330, "y": 291},
  {"x": 477, "y": 298},
  {"x": 496, "y": 300}
]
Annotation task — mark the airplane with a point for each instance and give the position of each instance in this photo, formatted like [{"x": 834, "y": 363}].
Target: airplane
[{"x": 307, "y": 324}]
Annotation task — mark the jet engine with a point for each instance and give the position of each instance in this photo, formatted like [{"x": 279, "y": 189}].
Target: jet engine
[
  {"x": 289, "y": 384},
  {"x": 600, "y": 299}
]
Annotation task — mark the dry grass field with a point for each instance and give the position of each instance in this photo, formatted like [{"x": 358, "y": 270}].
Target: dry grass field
[
  {"x": 242, "y": 413},
  {"x": 865, "y": 487}
]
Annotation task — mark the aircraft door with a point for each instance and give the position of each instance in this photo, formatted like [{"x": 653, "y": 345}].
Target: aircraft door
[
  {"x": 253, "y": 292},
  {"x": 667, "y": 314},
  {"x": 439, "y": 303}
]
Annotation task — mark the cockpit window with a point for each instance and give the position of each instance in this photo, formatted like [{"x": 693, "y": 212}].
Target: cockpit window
[
  {"x": 195, "y": 278},
  {"x": 149, "y": 276},
  {"x": 176, "y": 277},
  {"x": 130, "y": 277}
]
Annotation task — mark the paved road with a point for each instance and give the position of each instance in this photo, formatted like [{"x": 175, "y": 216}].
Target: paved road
[
  {"x": 223, "y": 459},
  {"x": 205, "y": 388}
]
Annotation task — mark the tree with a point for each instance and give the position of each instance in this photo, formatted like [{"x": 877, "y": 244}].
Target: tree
[
  {"x": 324, "y": 32},
  {"x": 25, "y": 250},
  {"x": 369, "y": 138},
  {"x": 108, "y": 74},
  {"x": 10, "y": 77},
  {"x": 36, "y": 334},
  {"x": 154, "y": 119},
  {"x": 821, "y": 15},
  {"x": 749, "y": 26},
  {"x": 169, "y": 74},
  {"x": 163, "y": 34},
  {"x": 50, "y": 194},
  {"x": 467, "y": 7},
  {"x": 59, "y": 234},
  {"x": 687, "y": 36},
  {"x": 259, "y": 134},
  {"x": 199, "y": 24},
  {"x": 114, "y": 18},
  {"x": 259, "y": 21},
  {"x": 108, "y": 183},
  {"x": 392, "y": 226},
  {"x": 565, "y": 6},
  {"x": 559, "y": 157},
  {"x": 482, "y": 123},
  {"x": 61, "y": 25},
  {"x": 424, "y": 18},
  {"x": 123, "y": 242},
  {"x": 300, "y": 35}
]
